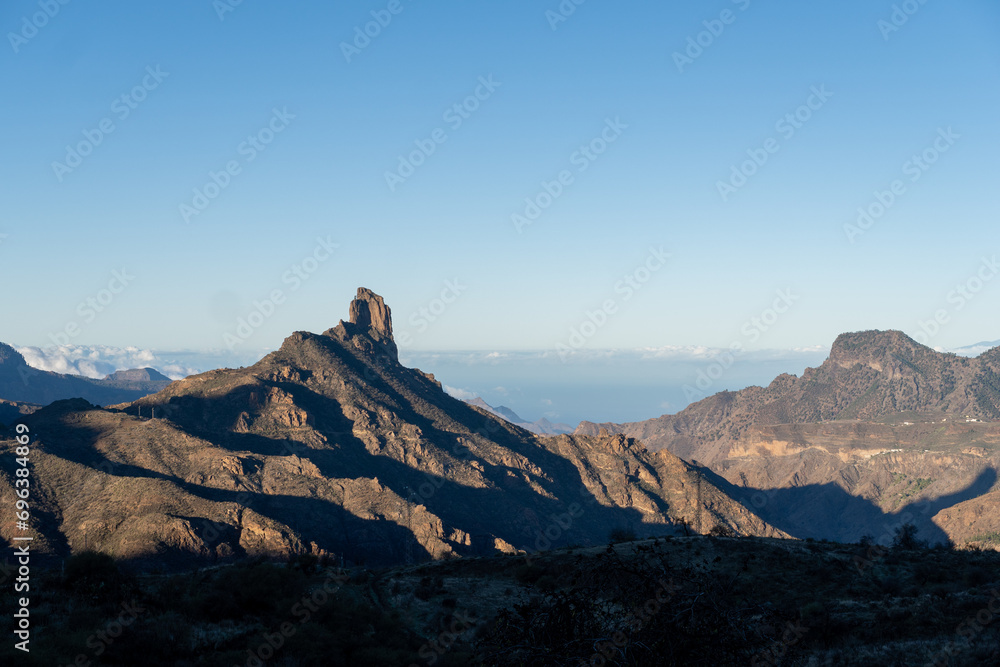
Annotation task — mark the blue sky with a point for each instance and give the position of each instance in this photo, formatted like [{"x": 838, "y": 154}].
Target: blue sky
[{"x": 609, "y": 69}]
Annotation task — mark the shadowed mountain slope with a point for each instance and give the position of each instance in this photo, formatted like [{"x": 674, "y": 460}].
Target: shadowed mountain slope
[
  {"x": 329, "y": 446},
  {"x": 11, "y": 411},
  {"x": 884, "y": 432}
]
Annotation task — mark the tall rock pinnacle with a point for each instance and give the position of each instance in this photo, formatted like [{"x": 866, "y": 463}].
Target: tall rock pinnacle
[
  {"x": 369, "y": 312},
  {"x": 370, "y": 315}
]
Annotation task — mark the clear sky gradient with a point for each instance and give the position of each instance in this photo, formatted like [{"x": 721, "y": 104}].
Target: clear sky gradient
[{"x": 678, "y": 128}]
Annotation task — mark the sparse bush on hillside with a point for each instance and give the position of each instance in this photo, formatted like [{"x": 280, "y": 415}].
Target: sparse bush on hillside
[
  {"x": 906, "y": 538},
  {"x": 307, "y": 563},
  {"x": 977, "y": 576},
  {"x": 90, "y": 565},
  {"x": 95, "y": 574},
  {"x": 247, "y": 613},
  {"x": 429, "y": 587},
  {"x": 625, "y": 611},
  {"x": 720, "y": 530},
  {"x": 988, "y": 538},
  {"x": 528, "y": 574},
  {"x": 742, "y": 602},
  {"x": 621, "y": 535}
]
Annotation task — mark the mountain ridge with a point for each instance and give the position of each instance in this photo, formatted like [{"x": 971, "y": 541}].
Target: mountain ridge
[
  {"x": 867, "y": 375},
  {"x": 885, "y": 431},
  {"x": 22, "y": 383},
  {"x": 329, "y": 446}
]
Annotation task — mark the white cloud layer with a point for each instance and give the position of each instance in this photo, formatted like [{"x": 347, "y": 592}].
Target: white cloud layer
[
  {"x": 692, "y": 353},
  {"x": 93, "y": 361},
  {"x": 973, "y": 350},
  {"x": 460, "y": 394},
  {"x": 99, "y": 361}
]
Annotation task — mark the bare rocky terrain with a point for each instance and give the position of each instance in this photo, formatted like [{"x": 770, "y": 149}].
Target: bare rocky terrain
[
  {"x": 330, "y": 447},
  {"x": 885, "y": 432},
  {"x": 221, "y": 505}
]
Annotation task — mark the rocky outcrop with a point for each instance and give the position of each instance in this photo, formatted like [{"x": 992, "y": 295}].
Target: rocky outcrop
[
  {"x": 868, "y": 375},
  {"x": 369, "y": 327},
  {"x": 885, "y": 431},
  {"x": 370, "y": 314},
  {"x": 329, "y": 445},
  {"x": 138, "y": 375}
]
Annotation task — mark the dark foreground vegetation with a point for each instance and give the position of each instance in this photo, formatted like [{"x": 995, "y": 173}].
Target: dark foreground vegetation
[{"x": 672, "y": 601}]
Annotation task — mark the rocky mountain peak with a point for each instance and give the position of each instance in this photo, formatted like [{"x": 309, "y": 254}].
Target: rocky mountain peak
[
  {"x": 872, "y": 348},
  {"x": 138, "y": 375},
  {"x": 371, "y": 315},
  {"x": 370, "y": 325}
]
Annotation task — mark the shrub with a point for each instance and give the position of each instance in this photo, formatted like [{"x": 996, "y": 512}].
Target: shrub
[
  {"x": 890, "y": 586},
  {"x": 90, "y": 566},
  {"x": 528, "y": 574},
  {"x": 307, "y": 563},
  {"x": 812, "y": 610},
  {"x": 621, "y": 535},
  {"x": 906, "y": 538},
  {"x": 977, "y": 576}
]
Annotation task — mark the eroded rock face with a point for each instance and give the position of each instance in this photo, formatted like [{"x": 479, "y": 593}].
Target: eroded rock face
[
  {"x": 868, "y": 375},
  {"x": 369, "y": 312},
  {"x": 330, "y": 446},
  {"x": 371, "y": 319}
]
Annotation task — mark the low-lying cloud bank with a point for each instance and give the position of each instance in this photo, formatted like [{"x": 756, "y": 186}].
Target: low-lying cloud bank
[
  {"x": 680, "y": 353},
  {"x": 973, "y": 350},
  {"x": 99, "y": 361},
  {"x": 597, "y": 385}
]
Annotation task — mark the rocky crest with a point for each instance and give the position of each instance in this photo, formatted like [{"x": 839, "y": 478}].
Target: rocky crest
[
  {"x": 885, "y": 431},
  {"x": 330, "y": 446},
  {"x": 138, "y": 375},
  {"x": 370, "y": 322},
  {"x": 370, "y": 314},
  {"x": 868, "y": 375}
]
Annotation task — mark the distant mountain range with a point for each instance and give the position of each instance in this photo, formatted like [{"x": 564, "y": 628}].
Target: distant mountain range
[
  {"x": 540, "y": 427},
  {"x": 137, "y": 376},
  {"x": 21, "y": 383},
  {"x": 330, "y": 446},
  {"x": 868, "y": 375},
  {"x": 976, "y": 349},
  {"x": 884, "y": 429}
]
